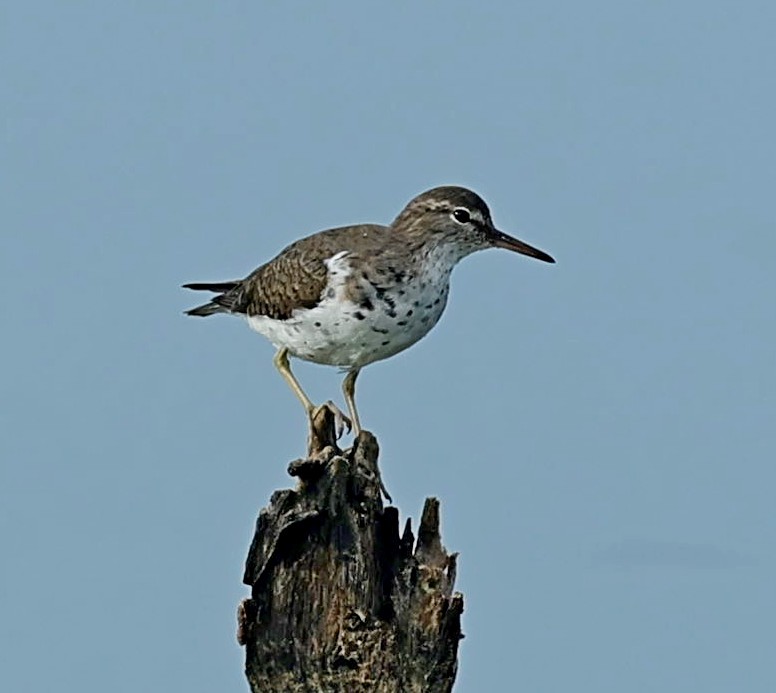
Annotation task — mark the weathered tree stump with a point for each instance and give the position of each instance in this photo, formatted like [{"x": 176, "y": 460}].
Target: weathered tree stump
[{"x": 339, "y": 600}]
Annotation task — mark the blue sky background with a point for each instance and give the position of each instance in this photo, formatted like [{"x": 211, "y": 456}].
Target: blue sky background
[{"x": 600, "y": 432}]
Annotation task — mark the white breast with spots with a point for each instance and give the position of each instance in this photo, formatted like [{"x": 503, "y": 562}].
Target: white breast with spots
[{"x": 339, "y": 332}]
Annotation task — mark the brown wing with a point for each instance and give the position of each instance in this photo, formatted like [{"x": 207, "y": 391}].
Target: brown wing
[{"x": 297, "y": 277}]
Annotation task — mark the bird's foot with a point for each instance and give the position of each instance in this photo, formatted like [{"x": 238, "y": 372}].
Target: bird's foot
[
  {"x": 342, "y": 423},
  {"x": 327, "y": 425}
]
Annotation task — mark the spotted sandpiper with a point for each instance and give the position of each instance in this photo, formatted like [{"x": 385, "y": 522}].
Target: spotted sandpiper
[{"x": 357, "y": 294}]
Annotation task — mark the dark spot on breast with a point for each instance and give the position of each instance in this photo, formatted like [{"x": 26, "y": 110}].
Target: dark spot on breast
[
  {"x": 379, "y": 290},
  {"x": 410, "y": 312},
  {"x": 402, "y": 323},
  {"x": 330, "y": 293},
  {"x": 437, "y": 302},
  {"x": 363, "y": 345},
  {"x": 317, "y": 324},
  {"x": 429, "y": 306},
  {"x": 402, "y": 292},
  {"x": 424, "y": 319},
  {"x": 398, "y": 275},
  {"x": 358, "y": 315},
  {"x": 416, "y": 304},
  {"x": 386, "y": 342},
  {"x": 380, "y": 330},
  {"x": 391, "y": 313},
  {"x": 367, "y": 304}
]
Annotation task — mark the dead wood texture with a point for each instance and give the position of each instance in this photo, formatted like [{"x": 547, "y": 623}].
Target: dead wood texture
[{"x": 339, "y": 600}]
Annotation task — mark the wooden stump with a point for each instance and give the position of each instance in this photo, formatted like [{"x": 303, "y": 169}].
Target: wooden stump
[{"x": 339, "y": 600}]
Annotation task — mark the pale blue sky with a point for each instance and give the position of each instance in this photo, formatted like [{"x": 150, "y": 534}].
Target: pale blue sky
[{"x": 600, "y": 431}]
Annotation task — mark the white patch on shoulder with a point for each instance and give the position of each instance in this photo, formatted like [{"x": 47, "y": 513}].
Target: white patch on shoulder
[
  {"x": 316, "y": 333},
  {"x": 334, "y": 263},
  {"x": 338, "y": 271}
]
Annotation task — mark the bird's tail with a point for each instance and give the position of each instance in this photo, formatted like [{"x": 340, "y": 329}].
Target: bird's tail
[
  {"x": 217, "y": 288},
  {"x": 206, "y": 309},
  {"x": 214, "y": 306}
]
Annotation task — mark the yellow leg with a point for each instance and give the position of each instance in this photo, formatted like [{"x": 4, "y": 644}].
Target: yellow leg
[
  {"x": 349, "y": 390},
  {"x": 341, "y": 421},
  {"x": 282, "y": 364}
]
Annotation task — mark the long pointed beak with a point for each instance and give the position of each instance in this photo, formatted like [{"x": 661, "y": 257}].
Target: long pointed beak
[{"x": 503, "y": 240}]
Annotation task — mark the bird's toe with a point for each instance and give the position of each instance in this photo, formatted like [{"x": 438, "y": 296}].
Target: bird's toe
[{"x": 342, "y": 423}]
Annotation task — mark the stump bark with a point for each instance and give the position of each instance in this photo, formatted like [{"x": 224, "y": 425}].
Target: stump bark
[{"x": 340, "y": 600}]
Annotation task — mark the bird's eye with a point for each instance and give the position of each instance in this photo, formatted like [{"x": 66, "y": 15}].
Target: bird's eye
[{"x": 461, "y": 215}]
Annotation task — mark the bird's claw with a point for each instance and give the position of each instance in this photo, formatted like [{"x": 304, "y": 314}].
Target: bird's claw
[{"x": 342, "y": 423}]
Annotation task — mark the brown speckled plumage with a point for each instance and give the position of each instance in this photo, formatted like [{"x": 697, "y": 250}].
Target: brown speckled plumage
[{"x": 297, "y": 276}]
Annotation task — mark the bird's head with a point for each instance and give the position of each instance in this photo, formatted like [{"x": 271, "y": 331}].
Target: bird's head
[{"x": 457, "y": 217}]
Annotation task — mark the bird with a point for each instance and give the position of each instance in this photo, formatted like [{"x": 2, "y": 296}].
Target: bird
[{"x": 353, "y": 295}]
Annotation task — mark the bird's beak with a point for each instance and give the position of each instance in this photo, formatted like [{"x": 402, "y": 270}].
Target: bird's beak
[{"x": 503, "y": 240}]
